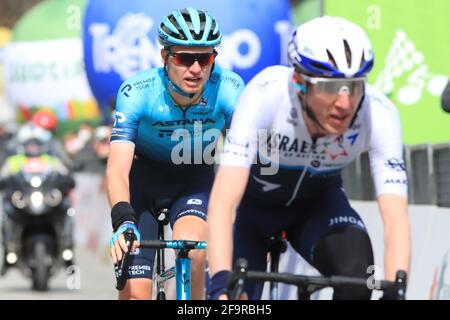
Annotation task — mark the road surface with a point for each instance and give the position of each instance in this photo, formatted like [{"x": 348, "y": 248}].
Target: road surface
[{"x": 93, "y": 280}]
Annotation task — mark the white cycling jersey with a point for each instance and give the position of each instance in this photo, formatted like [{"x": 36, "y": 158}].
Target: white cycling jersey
[{"x": 269, "y": 111}]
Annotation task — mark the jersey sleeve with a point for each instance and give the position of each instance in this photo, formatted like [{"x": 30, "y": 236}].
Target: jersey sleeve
[
  {"x": 386, "y": 148},
  {"x": 250, "y": 120},
  {"x": 127, "y": 114},
  {"x": 229, "y": 94}
]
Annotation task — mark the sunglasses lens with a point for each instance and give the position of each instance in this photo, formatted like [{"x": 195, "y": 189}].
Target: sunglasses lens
[
  {"x": 354, "y": 88},
  {"x": 188, "y": 59}
]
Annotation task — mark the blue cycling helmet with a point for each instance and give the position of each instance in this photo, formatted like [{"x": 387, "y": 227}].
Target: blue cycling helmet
[
  {"x": 331, "y": 47},
  {"x": 189, "y": 27}
]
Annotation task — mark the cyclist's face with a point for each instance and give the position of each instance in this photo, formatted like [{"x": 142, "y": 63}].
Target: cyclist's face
[
  {"x": 334, "y": 103},
  {"x": 189, "y": 67}
]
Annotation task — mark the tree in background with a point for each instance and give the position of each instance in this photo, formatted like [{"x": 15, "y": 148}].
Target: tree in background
[{"x": 12, "y": 10}]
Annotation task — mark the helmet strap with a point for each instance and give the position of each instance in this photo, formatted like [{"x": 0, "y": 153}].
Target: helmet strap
[{"x": 357, "y": 110}]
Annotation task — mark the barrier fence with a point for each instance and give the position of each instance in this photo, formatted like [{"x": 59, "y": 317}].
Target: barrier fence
[{"x": 428, "y": 169}]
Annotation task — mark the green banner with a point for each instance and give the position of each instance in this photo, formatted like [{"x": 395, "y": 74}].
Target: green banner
[
  {"x": 51, "y": 19},
  {"x": 412, "y": 58},
  {"x": 304, "y": 10}
]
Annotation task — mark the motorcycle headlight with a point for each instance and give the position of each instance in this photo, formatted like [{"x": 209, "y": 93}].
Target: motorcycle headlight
[
  {"x": 53, "y": 198},
  {"x": 36, "y": 182},
  {"x": 36, "y": 199},
  {"x": 18, "y": 200}
]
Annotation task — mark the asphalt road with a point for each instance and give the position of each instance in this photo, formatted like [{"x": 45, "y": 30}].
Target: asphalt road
[{"x": 93, "y": 280}]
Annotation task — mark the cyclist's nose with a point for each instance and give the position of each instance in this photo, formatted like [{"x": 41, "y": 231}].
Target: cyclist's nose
[
  {"x": 343, "y": 100},
  {"x": 195, "y": 67}
]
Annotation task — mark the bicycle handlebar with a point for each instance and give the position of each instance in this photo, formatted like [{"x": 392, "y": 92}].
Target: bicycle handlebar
[
  {"x": 121, "y": 268},
  {"x": 173, "y": 244},
  {"x": 236, "y": 279},
  {"x": 311, "y": 284}
]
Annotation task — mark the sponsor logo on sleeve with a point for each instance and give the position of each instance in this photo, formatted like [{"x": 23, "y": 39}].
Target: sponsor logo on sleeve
[{"x": 395, "y": 164}]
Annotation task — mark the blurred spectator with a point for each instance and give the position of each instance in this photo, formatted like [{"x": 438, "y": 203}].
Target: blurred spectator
[
  {"x": 101, "y": 142},
  {"x": 5, "y": 137},
  {"x": 445, "y": 98},
  {"x": 7, "y": 127},
  {"x": 47, "y": 120},
  {"x": 87, "y": 148},
  {"x": 72, "y": 144},
  {"x": 101, "y": 148}
]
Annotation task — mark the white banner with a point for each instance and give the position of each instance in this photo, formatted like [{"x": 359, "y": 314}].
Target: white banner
[{"x": 45, "y": 73}]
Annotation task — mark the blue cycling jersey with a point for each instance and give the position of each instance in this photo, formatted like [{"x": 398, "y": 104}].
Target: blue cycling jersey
[{"x": 147, "y": 116}]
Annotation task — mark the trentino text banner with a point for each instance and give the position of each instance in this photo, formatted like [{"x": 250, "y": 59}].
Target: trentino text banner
[{"x": 121, "y": 39}]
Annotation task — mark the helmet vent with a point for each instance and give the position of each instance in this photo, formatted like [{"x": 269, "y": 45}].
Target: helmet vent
[
  {"x": 178, "y": 27},
  {"x": 168, "y": 31},
  {"x": 363, "y": 61},
  {"x": 187, "y": 18},
  {"x": 202, "y": 16},
  {"x": 348, "y": 53},
  {"x": 331, "y": 59},
  {"x": 195, "y": 35},
  {"x": 211, "y": 36},
  {"x": 187, "y": 27}
]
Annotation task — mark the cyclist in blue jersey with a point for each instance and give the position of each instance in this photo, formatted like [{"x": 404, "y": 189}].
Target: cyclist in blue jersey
[
  {"x": 293, "y": 131},
  {"x": 167, "y": 121}
]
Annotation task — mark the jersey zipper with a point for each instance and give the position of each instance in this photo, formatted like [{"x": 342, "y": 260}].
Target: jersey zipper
[{"x": 299, "y": 182}]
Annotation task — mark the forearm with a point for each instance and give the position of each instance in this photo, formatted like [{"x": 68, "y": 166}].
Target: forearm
[
  {"x": 226, "y": 195},
  {"x": 398, "y": 250},
  {"x": 397, "y": 235},
  {"x": 220, "y": 237},
  {"x": 117, "y": 186}
]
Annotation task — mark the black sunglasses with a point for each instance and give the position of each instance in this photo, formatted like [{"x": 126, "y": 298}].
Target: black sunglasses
[{"x": 188, "y": 59}]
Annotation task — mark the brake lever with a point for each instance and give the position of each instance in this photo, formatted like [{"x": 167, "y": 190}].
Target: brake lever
[{"x": 121, "y": 268}]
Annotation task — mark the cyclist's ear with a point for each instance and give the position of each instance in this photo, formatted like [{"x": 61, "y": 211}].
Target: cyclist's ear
[
  {"x": 163, "y": 55},
  {"x": 299, "y": 84},
  {"x": 297, "y": 78}
]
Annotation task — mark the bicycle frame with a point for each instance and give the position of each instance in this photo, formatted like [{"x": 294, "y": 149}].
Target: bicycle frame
[{"x": 182, "y": 270}]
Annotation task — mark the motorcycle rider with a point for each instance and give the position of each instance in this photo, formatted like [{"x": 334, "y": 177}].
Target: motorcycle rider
[{"x": 32, "y": 143}]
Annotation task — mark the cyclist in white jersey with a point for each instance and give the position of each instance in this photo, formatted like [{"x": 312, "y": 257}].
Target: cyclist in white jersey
[{"x": 293, "y": 131}]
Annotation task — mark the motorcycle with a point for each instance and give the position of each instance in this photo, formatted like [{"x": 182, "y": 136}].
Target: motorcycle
[{"x": 37, "y": 226}]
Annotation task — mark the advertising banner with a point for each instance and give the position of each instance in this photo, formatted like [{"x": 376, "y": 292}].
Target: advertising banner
[
  {"x": 121, "y": 40},
  {"x": 49, "y": 74},
  {"x": 43, "y": 64},
  {"x": 410, "y": 40}
]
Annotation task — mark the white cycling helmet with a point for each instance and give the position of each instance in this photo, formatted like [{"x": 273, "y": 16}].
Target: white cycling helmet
[
  {"x": 330, "y": 47},
  {"x": 32, "y": 141},
  {"x": 31, "y": 131}
]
